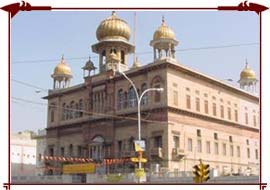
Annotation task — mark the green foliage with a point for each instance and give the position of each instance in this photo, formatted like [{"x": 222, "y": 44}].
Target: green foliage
[{"x": 114, "y": 178}]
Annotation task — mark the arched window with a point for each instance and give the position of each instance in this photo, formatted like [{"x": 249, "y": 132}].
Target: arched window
[
  {"x": 52, "y": 110},
  {"x": 120, "y": 99},
  {"x": 77, "y": 110},
  {"x": 81, "y": 108},
  {"x": 71, "y": 150},
  {"x": 131, "y": 97},
  {"x": 122, "y": 57},
  {"x": 156, "y": 83},
  {"x": 125, "y": 99},
  {"x": 145, "y": 97},
  {"x": 72, "y": 112},
  {"x": 63, "y": 111},
  {"x": 67, "y": 110},
  {"x": 113, "y": 50},
  {"x": 103, "y": 55}
]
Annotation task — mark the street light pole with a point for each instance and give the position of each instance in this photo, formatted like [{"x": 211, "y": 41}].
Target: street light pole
[{"x": 139, "y": 98}]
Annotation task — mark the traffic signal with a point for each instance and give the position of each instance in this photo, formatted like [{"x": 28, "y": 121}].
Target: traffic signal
[
  {"x": 201, "y": 172},
  {"x": 205, "y": 172},
  {"x": 197, "y": 174}
]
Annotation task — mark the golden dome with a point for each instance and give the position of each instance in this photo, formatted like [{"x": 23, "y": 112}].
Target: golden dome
[
  {"x": 62, "y": 68},
  {"x": 164, "y": 32},
  {"x": 113, "y": 28},
  {"x": 247, "y": 73}
]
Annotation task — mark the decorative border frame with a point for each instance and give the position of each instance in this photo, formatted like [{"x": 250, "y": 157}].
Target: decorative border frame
[{"x": 15, "y": 8}]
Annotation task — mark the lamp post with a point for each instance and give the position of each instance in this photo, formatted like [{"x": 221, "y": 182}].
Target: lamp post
[{"x": 139, "y": 98}]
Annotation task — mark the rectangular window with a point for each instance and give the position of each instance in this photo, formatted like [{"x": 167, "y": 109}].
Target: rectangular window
[
  {"x": 216, "y": 148},
  {"x": 247, "y": 142},
  {"x": 230, "y": 139},
  {"x": 79, "y": 151},
  {"x": 248, "y": 152},
  {"x": 215, "y": 136},
  {"x": 119, "y": 147},
  {"x": 214, "y": 109},
  {"x": 256, "y": 154},
  {"x": 254, "y": 121},
  {"x": 176, "y": 141},
  {"x": 199, "y": 145},
  {"x": 208, "y": 147},
  {"x": 222, "y": 111},
  {"x": 70, "y": 150},
  {"x": 224, "y": 149},
  {"x": 158, "y": 141},
  {"x": 229, "y": 114},
  {"x": 188, "y": 102},
  {"x": 199, "y": 133},
  {"x": 62, "y": 151},
  {"x": 231, "y": 150},
  {"x": 197, "y": 104},
  {"x": 246, "y": 118},
  {"x": 236, "y": 115},
  {"x": 190, "y": 144},
  {"x": 206, "y": 106},
  {"x": 157, "y": 94},
  {"x": 238, "y": 152},
  {"x": 51, "y": 152},
  {"x": 175, "y": 98}
]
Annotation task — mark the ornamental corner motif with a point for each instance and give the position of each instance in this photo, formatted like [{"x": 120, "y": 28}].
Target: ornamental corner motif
[
  {"x": 245, "y": 6},
  {"x": 14, "y": 8}
]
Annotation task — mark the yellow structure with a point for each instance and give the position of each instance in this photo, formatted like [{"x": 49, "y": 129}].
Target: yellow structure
[{"x": 79, "y": 168}]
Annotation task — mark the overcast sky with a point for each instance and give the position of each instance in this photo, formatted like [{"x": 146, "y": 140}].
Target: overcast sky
[{"x": 38, "y": 40}]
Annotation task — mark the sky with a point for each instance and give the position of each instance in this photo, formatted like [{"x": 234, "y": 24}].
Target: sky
[{"x": 40, "y": 38}]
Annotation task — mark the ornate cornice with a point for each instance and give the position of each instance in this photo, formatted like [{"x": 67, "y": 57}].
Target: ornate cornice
[{"x": 211, "y": 119}]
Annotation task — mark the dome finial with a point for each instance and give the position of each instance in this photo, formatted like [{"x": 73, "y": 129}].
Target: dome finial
[
  {"x": 163, "y": 20},
  {"x": 246, "y": 63}
]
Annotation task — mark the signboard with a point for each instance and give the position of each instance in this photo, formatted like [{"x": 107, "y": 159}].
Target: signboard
[
  {"x": 139, "y": 145},
  {"x": 79, "y": 168},
  {"x": 143, "y": 160}
]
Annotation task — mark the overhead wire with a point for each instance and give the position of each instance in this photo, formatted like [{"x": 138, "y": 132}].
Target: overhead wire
[
  {"x": 91, "y": 113},
  {"x": 28, "y": 85},
  {"x": 142, "y": 53}
]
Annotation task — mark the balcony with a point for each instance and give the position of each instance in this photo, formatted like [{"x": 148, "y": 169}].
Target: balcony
[
  {"x": 156, "y": 152},
  {"x": 178, "y": 153}
]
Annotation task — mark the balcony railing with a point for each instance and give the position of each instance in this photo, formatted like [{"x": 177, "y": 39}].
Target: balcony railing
[
  {"x": 156, "y": 151},
  {"x": 178, "y": 153}
]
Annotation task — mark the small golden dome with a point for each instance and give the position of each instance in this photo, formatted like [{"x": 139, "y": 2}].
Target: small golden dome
[
  {"x": 164, "y": 32},
  {"x": 247, "y": 73},
  {"x": 62, "y": 68},
  {"x": 113, "y": 28}
]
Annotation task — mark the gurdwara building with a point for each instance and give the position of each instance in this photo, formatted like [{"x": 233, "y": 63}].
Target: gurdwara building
[{"x": 195, "y": 116}]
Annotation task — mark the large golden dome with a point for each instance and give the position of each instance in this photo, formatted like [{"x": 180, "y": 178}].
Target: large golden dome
[
  {"x": 247, "y": 73},
  {"x": 164, "y": 32},
  {"x": 113, "y": 28},
  {"x": 62, "y": 69}
]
